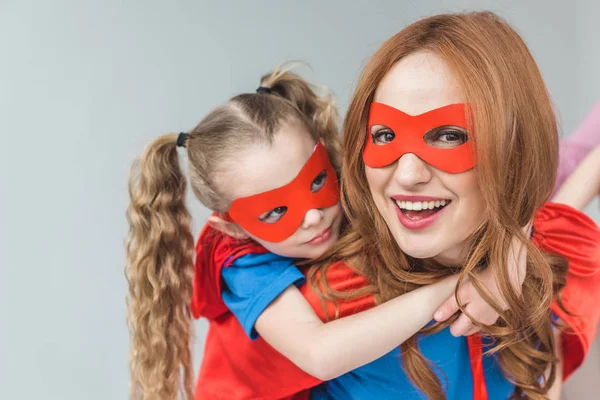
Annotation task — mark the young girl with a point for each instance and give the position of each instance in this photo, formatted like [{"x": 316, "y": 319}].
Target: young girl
[{"x": 262, "y": 163}]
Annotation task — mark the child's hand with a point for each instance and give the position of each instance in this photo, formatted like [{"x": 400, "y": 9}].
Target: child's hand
[{"x": 474, "y": 304}]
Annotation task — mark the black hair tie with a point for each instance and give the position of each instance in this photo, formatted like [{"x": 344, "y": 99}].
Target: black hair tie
[
  {"x": 181, "y": 139},
  {"x": 264, "y": 89}
]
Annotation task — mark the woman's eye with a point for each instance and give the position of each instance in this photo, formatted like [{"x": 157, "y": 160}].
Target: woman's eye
[
  {"x": 270, "y": 217},
  {"x": 446, "y": 137},
  {"x": 318, "y": 183},
  {"x": 383, "y": 136},
  {"x": 452, "y": 137}
]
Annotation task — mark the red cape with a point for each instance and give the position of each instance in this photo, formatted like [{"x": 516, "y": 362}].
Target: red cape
[
  {"x": 575, "y": 236},
  {"x": 234, "y": 367}
]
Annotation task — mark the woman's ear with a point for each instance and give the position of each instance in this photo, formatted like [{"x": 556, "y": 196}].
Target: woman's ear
[{"x": 229, "y": 228}]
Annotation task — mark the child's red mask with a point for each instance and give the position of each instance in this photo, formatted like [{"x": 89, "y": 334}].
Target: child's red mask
[
  {"x": 297, "y": 197},
  {"x": 417, "y": 135}
]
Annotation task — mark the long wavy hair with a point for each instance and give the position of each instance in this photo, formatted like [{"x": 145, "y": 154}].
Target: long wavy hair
[
  {"x": 517, "y": 153},
  {"x": 160, "y": 245}
]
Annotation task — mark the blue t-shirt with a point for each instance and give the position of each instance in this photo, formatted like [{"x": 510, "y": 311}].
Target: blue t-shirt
[
  {"x": 253, "y": 281},
  {"x": 385, "y": 378}
]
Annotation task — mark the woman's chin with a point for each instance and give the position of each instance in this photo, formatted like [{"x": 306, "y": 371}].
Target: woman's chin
[
  {"x": 449, "y": 257},
  {"x": 418, "y": 249}
]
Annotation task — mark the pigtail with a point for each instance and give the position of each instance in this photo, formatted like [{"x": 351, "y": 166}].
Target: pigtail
[
  {"x": 159, "y": 270},
  {"x": 315, "y": 103}
]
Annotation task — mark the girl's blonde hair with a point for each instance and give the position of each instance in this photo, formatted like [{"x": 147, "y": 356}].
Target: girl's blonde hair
[{"x": 160, "y": 245}]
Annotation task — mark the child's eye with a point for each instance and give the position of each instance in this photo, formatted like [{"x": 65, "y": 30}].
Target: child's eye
[
  {"x": 382, "y": 135},
  {"x": 318, "y": 183},
  {"x": 270, "y": 217},
  {"x": 446, "y": 137}
]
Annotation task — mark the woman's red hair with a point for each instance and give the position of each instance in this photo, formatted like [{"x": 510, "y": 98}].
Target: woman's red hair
[{"x": 517, "y": 152}]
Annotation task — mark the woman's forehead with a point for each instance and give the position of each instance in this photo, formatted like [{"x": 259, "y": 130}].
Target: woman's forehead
[{"x": 418, "y": 83}]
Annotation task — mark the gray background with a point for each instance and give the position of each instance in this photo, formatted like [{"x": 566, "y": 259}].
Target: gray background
[{"x": 85, "y": 84}]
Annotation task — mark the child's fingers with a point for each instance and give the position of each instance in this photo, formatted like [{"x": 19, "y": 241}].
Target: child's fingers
[
  {"x": 461, "y": 326},
  {"x": 472, "y": 331},
  {"x": 446, "y": 310},
  {"x": 450, "y": 306},
  {"x": 481, "y": 312}
]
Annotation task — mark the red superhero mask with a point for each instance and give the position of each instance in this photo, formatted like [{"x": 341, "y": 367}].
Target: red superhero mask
[
  {"x": 315, "y": 186},
  {"x": 439, "y": 137}
]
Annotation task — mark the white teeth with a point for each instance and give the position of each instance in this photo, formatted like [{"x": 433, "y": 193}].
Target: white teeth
[{"x": 421, "y": 205}]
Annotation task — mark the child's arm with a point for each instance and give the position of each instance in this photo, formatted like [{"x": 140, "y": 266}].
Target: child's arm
[
  {"x": 328, "y": 350},
  {"x": 583, "y": 184}
]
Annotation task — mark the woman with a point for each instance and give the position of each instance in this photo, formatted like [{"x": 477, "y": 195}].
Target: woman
[
  {"x": 486, "y": 157},
  {"x": 407, "y": 141}
]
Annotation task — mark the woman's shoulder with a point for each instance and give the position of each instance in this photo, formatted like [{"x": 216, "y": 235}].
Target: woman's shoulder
[{"x": 561, "y": 229}]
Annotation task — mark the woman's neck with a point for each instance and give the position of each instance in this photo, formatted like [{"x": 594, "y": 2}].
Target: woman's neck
[{"x": 453, "y": 257}]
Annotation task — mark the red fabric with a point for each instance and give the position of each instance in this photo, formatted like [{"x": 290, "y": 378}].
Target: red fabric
[
  {"x": 214, "y": 250},
  {"x": 340, "y": 278},
  {"x": 413, "y": 136},
  {"x": 476, "y": 356},
  {"x": 234, "y": 367},
  {"x": 560, "y": 229},
  {"x": 297, "y": 196}
]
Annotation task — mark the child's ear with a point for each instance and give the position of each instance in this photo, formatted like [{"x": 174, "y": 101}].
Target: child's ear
[{"x": 229, "y": 228}]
